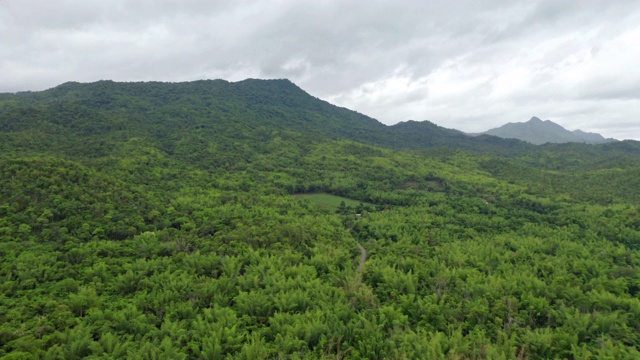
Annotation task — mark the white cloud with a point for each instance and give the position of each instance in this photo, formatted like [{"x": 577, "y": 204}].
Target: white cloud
[{"x": 466, "y": 64}]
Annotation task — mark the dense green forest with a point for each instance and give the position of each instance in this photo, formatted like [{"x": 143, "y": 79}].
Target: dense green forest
[{"x": 216, "y": 220}]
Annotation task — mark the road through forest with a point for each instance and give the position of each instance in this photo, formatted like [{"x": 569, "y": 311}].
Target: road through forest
[{"x": 363, "y": 258}]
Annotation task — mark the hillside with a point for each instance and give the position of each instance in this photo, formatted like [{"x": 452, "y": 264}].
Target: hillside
[
  {"x": 228, "y": 220},
  {"x": 75, "y": 118},
  {"x": 539, "y": 132},
  {"x": 214, "y": 109}
]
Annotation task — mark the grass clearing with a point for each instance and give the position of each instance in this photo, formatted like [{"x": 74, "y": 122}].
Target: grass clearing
[{"x": 328, "y": 201}]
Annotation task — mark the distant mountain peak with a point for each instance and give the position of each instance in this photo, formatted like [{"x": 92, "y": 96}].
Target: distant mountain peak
[{"x": 537, "y": 131}]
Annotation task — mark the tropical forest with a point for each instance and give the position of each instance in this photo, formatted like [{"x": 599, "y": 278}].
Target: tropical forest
[{"x": 252, "y": 220}]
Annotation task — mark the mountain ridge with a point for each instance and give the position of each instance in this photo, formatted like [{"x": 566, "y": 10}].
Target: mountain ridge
[
  {"x": 285, "y": 92},
  {"x": 538, "y": 132},
  {"x": 218, "y": 113},
  {"x": 212, "y": 104}
]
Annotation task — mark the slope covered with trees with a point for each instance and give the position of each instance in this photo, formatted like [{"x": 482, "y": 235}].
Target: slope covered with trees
[{"x": 151, "y": 220}]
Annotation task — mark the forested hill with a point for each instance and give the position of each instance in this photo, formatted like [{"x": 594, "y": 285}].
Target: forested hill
[
  {"x": 219, "y": 107},
  {"x": 250, "y": 220},
  {"x": 168, "y": 112},
  {"x": 276, "y": 104}
]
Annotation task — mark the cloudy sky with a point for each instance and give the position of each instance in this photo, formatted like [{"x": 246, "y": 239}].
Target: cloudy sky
[{"x": 470, "y": 65}]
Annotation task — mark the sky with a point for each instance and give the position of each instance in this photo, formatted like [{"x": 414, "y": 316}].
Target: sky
[{"x": 468, "y": 65}]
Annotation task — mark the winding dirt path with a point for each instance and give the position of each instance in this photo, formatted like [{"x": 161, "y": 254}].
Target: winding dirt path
[{"x": 363, "y": 258}]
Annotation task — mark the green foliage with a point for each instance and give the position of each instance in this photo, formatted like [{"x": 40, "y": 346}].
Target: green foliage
[{"x": 156, "y": 221}]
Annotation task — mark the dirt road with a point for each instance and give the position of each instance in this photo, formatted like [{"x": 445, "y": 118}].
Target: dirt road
[{"x": 363, "y": 258}]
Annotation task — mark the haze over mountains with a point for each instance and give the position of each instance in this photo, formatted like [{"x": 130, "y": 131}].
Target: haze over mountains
[{"x": 539, "y": 132}]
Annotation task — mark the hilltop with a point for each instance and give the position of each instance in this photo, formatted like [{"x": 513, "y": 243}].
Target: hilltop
[{"x": 539, "y": 132}]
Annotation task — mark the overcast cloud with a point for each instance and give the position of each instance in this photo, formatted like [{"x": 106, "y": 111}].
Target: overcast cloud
[{"x": 470, "y": 65}]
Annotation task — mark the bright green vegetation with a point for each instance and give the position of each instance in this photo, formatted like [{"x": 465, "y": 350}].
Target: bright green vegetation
[
  {"x": 331, "y": 202},
  {"x": 151, "y": 221}
]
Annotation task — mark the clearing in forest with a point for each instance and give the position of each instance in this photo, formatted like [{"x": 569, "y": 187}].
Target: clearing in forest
[{"x": 330, "y": 202}]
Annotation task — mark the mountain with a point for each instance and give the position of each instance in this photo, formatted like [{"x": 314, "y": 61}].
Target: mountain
[
  {"x": 592, "y": 138},
  {"x": 539, "y": 132},
  {"x": 82, "y": 117},
  {"x": 203, "y": 122},
  {"x": 194, "y": 120}
]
